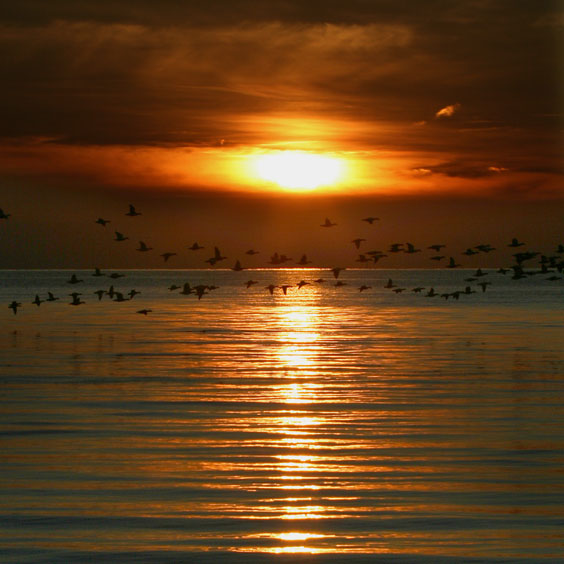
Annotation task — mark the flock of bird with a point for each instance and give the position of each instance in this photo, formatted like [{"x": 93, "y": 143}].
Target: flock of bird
[{"x": 552, "y": 265}]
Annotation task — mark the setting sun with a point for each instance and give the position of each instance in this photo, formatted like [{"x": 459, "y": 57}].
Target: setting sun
[{"x": 298, "y": 170}]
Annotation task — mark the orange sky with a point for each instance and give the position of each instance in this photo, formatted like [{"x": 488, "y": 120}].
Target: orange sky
[{"x": 450, "y": 100}]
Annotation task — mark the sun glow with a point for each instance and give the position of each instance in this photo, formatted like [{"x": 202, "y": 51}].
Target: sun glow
[{"x": 298, "y": 170}]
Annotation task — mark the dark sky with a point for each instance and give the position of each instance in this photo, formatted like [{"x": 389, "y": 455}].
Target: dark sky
[{"x": 431, "y": 104}]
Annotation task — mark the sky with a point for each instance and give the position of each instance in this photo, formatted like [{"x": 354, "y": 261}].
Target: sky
[{"x": 444, "y": 119}]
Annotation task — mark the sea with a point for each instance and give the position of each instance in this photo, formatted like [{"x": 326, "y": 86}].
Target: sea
[{"x": 321, "y": 424}]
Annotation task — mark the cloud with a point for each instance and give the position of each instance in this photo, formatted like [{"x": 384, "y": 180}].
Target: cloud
[{"x": 448, "y": 111}]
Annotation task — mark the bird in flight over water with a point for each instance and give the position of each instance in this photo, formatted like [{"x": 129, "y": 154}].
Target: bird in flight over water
[{"x": 132, "y": 211}]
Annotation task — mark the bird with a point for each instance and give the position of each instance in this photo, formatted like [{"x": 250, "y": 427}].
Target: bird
[
  {"x": 301, "y": 284},
  {"x": 337, "y": 270},
  {"x": 143, "y": 247},
  {"x": 37, "y": 301},
  {"x": 186, "y": 289},
  {"x": 101, "y": 221},
  {"x": 119, "y": 297},
  {"x": 502, "y": 270},
  {"x": 362, "y": 258},
  {"x": 515, "y": 243},
  {"x": 340, "y": 283},
  {"x": 249, "y": 283},
  {"x": 173, "y": 287},
  {"x": 480, "y": 272},
  {"x": 487, "y": 248},
  {"x": 431, "y": 293},
  {"x": 120, "y": 236},
  {"x": 111, "y": 292},
  {"x": 285, "y": 288},
  {"x": 271, "y": 288},
  {"x": 436, "y": 247},
  {"x": 98, "y": 272},
  {"x": 200, "y": 290},
  {"x": 74, "y": 280},
  {"x": 14, "y": 306},
  {"x": 76, "y": 300},
  {"x": 468, "y": 290},
  {"x": 411, "y": 249},
  {"x": 4, "y": 215},
  {"x": 216, "y": 257},
  {"x": 144, "y": 311},
  {"x": 483, "y": 285},
  {"x": 132, "y": 211},
  {"x": 389, "y": 284},
  {"x": 319, "y": 280},
  {"x": 398, "y": 290},
  {"x": 357, "y": 242},
  {"x": 99, "y": 293},
  {"x": 437, "y": 257},
  {"x": 469, "y": 252},
  {"x": 116, "y": 275},
  {"x": 166, "y": 256},
  {"x": 303, "y": 260},
  {"x": 51, "y": 297},
  {"x": 328, "y": 223},
  {"x": 364, "y": 287},
  {"x": 133, "y": 293},
  {"x": 251, "y": 252},
  {"x": 370, "y": 220},
  {"x": 418, "y": 289},
  {"x": 195, "y": 247},
  {"x": 395, "y": 248},
  {"x": 452, "y": 263}
]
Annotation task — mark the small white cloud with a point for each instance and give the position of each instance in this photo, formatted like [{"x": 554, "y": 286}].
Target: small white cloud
[{"x": 447, "y": 111}]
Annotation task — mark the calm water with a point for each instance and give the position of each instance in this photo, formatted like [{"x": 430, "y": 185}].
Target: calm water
[{"x": 327, "y": 425}]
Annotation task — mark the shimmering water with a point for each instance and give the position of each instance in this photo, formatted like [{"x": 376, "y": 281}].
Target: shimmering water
[{"x": 325, "y": 425}]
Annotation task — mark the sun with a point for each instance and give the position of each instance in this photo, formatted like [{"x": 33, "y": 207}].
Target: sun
[{"x": 298, "y": 170}]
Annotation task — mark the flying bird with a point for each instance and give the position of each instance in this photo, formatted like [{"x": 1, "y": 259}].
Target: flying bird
[
  {"x": 251, "y": 252},
  {"x": 328, "y": 223},
  {"x": 144, "y": 311},
  {"x": 370, "y": 220},
  {"x": 303, "y": 261},
  {"x": 436, "y": 247},
  {"x": 51, "y": 297},
  {"x": 4, "y": 215},
  {"x": 74, "y": 280},
  {"x": 98, "y": 272},
  {"x": 76, "y": 300},
  {"x": 132, "y": 211},
  {"x": 101, "y": 221},
  {"x": 515, "y": 243},
  {"x": 143, "y": 247},
  {"x": 37, "y": 301},
  {"x": 249, "y": 283},
  {"x": 237, "y": 267},
  {"x": 452, "y": 263},
  {"x": 166, "y": 256},
  {"x": 14, "y": 306},
  {"x": 195, "y": 247},
  {"x": 357, "y": 242},
  {"x": 120, "y": 236}
]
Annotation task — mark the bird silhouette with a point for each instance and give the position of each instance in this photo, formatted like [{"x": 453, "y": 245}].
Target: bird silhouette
[
  {"x": 469, "y": 252},
  {"x": 337, "y": 270},
  {"x": 116, "y": 275},
  {"x": 271, "y": 288},
  {"x": 14, "y": 306},
  {"x": 328, "y": 223},
  {"x": 357, "y": 242},
  {"x": 4, "y": 215},
  {"x": 99, "y": 293},
  {"x": 237, "y": 267},
  {"x": 144, "y": 311},
  {"x": 173, "y": 287},
  {"x": 411, "y": 249},
  {"x": 133, "y": 293},
  {"x": 132, "y": 211},
  {"x": 74, "y": 280},
  {"x": 143, "y": 247},
  {"x": 452, "y": 263},
  {"x": 37, "y": 301},
  {"x": 364, "y": 287},
  {"x": 120, "y": 236},
  {"x": 251, "y": 252},
  {"x": 301, "y": 284},
  {"x": 389, "y": 284},
  {"x": 195, "y": 247},
  {"x": 101, "y": 221},
  {"x": 436, "y": 247},
  {"x": 119, "y": 297},
  {"x": 515, "y": 243},
  {"x": 249, "y": 283},
  {"x": 76, "y": 300},
  {"x": 166, "y": 256},
  {"x": 187, "y": 289},
  {"x": 370, "y": 220},
  {"x": 303, "y": 261},
  {"x": 51, "y": 297},
  {"x": 98, "y": 272}
]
